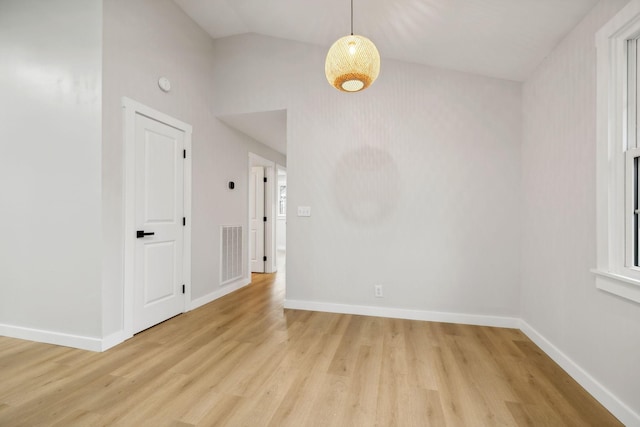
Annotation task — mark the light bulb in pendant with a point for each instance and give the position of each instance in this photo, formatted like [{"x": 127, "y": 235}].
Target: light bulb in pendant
[{"x": 352, "y": 48}]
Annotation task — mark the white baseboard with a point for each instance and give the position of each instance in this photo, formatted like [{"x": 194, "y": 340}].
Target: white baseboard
[
  {"x": 224, "y": 290},
  {"x": 618, "y": 408},
  {"x": 119, "y": 337},
  {"x": 103, "y": 344},
  {"x": 401, "y": 313},
  {"x": 50, "y": 337},
  {"x": 113, "y": 340}
]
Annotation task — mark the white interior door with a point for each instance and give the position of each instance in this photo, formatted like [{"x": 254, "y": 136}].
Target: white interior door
[
  {"x": 256, "y": 219},
  {"x": 159, "y": 204}
]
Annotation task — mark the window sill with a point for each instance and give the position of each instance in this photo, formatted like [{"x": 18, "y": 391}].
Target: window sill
[{"x": 622, "y": 286}]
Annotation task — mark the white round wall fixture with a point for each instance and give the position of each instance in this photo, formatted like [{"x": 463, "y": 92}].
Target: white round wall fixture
[{"x": 164, "y": 84}]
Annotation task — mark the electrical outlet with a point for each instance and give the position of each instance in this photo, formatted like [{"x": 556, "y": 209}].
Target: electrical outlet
[{"x": 377, "y": 289}]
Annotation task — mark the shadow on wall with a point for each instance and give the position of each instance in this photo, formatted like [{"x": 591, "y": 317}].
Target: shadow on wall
[{"x": 366, "y": 185}]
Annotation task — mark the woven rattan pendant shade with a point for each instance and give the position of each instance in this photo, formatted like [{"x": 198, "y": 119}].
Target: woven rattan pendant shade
[{"x": 352, "y": 64}]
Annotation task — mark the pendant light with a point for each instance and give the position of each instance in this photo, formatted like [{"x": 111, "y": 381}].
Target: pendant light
[{"x": 353, "y": 62}]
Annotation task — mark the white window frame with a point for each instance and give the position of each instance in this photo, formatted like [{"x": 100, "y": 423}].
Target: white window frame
[{"x": 615, "y": 153}]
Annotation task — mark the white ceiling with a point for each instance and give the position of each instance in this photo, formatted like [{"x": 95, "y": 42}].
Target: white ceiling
[
  {"x": 268, "y": 127},
  {"x": 497, "y": 38}
]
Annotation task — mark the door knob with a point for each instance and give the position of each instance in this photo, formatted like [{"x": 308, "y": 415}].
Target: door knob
[{"x": 141, "y": 233}]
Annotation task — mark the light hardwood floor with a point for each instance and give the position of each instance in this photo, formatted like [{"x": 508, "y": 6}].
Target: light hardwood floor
[{"x": 244, "y": 361}]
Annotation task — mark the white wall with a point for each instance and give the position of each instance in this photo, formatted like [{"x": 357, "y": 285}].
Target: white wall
[
  {"x": 144, "y": 40},
  {"x": 599, "y": 332},
  {"x": 50, "y": 106},
  {"x": 413, "y": 184}
]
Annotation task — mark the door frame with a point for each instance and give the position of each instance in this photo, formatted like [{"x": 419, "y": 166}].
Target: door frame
[
  {"x": 130, "y": 108},
  {"x": 276, "y": 199},
  {"x": 269, "y": 211}
]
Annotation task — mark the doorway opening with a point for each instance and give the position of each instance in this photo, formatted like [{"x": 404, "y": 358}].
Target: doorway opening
[{"x": 262, "y": 214}]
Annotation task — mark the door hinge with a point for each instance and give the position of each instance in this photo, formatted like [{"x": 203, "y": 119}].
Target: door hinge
[
  {"x": 265, "y": 179},
  {"x": 264, "y": 258},
  {"x": 184, "y": 221},
  {"x": 184, "y": 154},
  {"x": 264, "y": 219},
  {"x": 183, "y": 289}
]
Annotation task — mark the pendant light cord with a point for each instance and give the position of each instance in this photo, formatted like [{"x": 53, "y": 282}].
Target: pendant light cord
[{"x": 351, "y": 17}]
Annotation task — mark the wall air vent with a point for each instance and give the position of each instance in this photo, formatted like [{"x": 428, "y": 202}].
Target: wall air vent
[{"x": 231, "y": 264}]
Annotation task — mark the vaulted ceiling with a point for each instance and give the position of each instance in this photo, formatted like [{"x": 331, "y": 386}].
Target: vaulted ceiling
[
  {"x": 268, "y": 127},
  {"x": 498, "y": 38}
]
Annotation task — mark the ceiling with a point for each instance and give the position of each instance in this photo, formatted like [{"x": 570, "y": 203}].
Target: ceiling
[
  {"x": 496, "y": 38},
  {"x": 268, "y": 127}
]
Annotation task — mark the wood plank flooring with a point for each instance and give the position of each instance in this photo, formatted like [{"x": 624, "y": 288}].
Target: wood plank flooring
[{"x": 244, "y": 361}]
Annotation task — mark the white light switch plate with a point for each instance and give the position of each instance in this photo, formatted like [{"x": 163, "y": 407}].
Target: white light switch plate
[{"x": 304, "y": 210}]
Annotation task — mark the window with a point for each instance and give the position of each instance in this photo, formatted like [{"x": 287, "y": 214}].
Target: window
[
  {"x": 618, "y": 154},
  {"x": 631, "y": 209}
]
